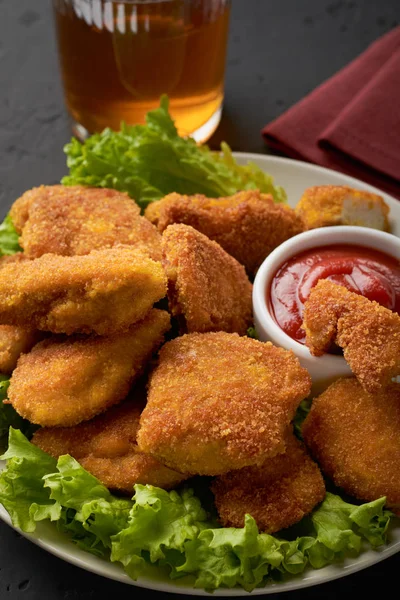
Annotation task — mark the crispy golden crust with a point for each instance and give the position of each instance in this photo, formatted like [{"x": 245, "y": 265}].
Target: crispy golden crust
[
  {"x": 64, "y": 381},
  {"x": 355, "y": 438},
  {"x": 368, "y": 333},
  {"x": 324, "y": 205},
  {"x": 106, "y": 447},
  {"x": 13, "y": 342},
  {"x": 218, "y": 402},
  {"x": 20, "y": 211},
  {"x": 208, "y": 290},
  {"x": 248, "y": 225},
  {"x": 104, "y": 291},
  {"x": 10, "y": 259},
  {"x": 276, "y": 494},
  {"x": 70, "y": 220}
]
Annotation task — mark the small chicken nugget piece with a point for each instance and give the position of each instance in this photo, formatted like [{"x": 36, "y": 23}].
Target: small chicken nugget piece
[
  {"x": 325, "y": 205},
  {"x": 277, "y": 494},
  {"x": 20, "y": 211},
  {"x": 66, "y": 380},
  {"x": 13, "y": 342},
  {"x": 218, "y": 401},
  {"x": 368, "y": 333},
  {"x": 208, "y": 290},
  {"x": 71, "y": 220},
  {"x": 104, "y": 291},
  {"x": 106, "y": 447},
  {"x": 355, "y": 438},
  {"x": 248, "y": 225}
]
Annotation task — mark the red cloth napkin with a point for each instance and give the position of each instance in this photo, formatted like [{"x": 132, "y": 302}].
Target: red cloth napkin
[{"x": 350, "y": 123}]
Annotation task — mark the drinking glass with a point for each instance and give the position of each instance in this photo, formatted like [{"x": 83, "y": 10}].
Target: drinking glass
[{"x": 118, "y": 57}]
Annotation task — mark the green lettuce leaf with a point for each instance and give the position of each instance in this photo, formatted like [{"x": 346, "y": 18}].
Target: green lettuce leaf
[
  {"x": 152, "y": 160},
  {"x": 9, "y": 416},
  {"x": 90, "y": 513},
  {"x": 171, "y": 531},
  {"x": 159, "y": 523},
  {"x": 302, "y": 411},
  {"x": 252, "y": 333},
  {"x": 8, "y": 238},
  {"x": 34, "y": 486},
  {"x": 21, "y": 483},
  {"x": 228, "y": 556}
]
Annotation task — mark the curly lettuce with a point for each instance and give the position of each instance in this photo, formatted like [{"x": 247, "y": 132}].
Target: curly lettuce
[
  {"x": 149, "y": 161},
  {"x": 9, "y": 416},
  {"x": 8, "y": 238},
  {"x": 172, "y": 531}
]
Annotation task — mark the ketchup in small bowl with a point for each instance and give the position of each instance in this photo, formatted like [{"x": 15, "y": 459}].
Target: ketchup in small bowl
[
  {"x": 365, "y": 260},
  {"x": 365, "y": 271}
]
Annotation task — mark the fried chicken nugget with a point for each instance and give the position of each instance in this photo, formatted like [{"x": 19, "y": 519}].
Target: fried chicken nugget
[
  {"x": 218, "y": 402},
  {"x": 248, "y": 225},
  {"x": 66, "y": 380},
  {"x": 368, "y": 332},
  {"x": 104, "y": 291},
  {"x": 324, "y": 205},
  {"x": 72, "y": 220},
  {"x": 13, "y": 342},
  {"x": 355, "y": 438},
  {"x": 106, "y": 447},
  {"x": 277, "y": 494},
  {"x": 208, "y": 290}
]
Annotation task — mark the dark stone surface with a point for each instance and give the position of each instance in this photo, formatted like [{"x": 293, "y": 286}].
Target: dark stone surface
[{"x": 278, "y": 52}]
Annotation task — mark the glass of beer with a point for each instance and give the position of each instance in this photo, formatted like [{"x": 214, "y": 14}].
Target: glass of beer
[{"x": 119, "y": 56}]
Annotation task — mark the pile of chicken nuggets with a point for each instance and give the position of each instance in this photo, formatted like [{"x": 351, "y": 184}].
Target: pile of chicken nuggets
[{"x": 85, "y": 314}]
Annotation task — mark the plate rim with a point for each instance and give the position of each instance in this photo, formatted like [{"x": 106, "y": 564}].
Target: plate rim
[
  {"x": 310, "y": 577},
  {"x": 324, "y": 170}
]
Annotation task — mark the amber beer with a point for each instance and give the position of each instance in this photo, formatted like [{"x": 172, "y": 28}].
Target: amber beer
[{"x": 118, "y": 57}]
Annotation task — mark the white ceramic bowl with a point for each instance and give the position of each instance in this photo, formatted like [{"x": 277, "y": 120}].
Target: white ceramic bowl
[{"x": 326, "y": 368}]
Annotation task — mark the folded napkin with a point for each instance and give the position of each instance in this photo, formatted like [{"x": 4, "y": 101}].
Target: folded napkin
[{"x": 350, "y": 123}]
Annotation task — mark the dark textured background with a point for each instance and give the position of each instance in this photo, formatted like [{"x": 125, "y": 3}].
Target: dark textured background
[{"x": 279, "y": 50}]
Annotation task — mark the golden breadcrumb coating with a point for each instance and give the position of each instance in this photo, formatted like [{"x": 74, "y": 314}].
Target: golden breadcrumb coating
[
  {"x": 277, "y": 494},
  {"x": 354, "y": 436},
  {"x": 218, "y": 402},
  {"x": 9, "y": 259},
  {"x": 70, "y": 220},
  {"x": 248, "y": 225},
  {"x": 22, "y": 208},
  {"x": 368, "y": 332},
  {"x": 106, "y": 447},
  {"x": 208, "y": 290},
  {"x": 104, "y": 291},
  {"x": 324, "y": 205},
  {"x": 14, "y": 341},
  {"x": 66, "y": 380}
]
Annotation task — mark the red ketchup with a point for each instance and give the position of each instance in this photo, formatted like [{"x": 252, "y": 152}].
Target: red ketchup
[{"x": 364, "y": 271}]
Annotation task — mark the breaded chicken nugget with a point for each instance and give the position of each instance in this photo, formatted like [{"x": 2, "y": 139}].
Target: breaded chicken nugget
[
  {"x": 208, "y": 290},
  {"x": 324, "y": 205},
  {"x": 66, "y": 380},
  {"x": 13, "y": 342},
  {"x": 276, "y": 494},
  {"x": 355, "y": 438},
  {"x": 106, "y": 447},
  {"x": 248, "y": 225},
  {"x": 368, "y": 332},
  {"x": 70, "y": 220},
  {"x": 20, "y": 211},
  {"x": 218, "y": 402},
  {"x": 104, "y": 291}
]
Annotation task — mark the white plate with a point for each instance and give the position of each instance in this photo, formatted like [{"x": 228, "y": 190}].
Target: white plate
[{"x": 295, "y": 177}]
